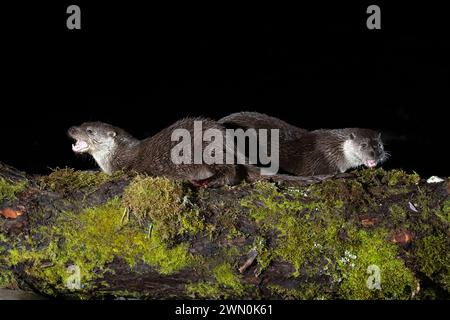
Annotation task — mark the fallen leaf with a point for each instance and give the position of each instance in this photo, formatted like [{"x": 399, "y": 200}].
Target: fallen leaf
[
  {"x": 368, "y": 222},
  {"x": 402, "y": 237},
  {"x": 10, "y": 213}
]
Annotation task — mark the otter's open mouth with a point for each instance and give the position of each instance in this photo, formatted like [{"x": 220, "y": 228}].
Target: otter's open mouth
[
  {"x": 371, "y": 163},
  {"x": 80, "y": 146}
]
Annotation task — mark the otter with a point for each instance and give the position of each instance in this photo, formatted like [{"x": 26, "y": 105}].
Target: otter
[
  {"x": 318, "y": 152},
  {"x": 114, "y": 149},
  {"x": 331, "y": 151}
]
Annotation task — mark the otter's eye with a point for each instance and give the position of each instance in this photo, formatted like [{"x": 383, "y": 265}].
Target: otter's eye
[
  {"x": 364, "y": 145},
  {"x": 89, "y": 131}
]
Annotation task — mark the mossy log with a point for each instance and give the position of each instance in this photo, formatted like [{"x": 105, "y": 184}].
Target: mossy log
[{"x": 373, "y": 234}]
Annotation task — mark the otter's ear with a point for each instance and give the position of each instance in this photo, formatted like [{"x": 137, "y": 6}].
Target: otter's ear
[
  {"x": 352, "y": 136},
  {"x": 112, "y": 134}
]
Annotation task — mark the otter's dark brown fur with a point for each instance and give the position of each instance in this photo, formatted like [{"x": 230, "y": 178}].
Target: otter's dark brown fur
[
  {"x": 258, "y": 120},
  {"x": 114, "y": 149},
  {"x": 331, "y": 151},
  {"x": 319, "y": 152}
]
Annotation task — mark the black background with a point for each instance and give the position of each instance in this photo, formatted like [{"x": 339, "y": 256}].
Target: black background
[{"x": 143, "y": 67}]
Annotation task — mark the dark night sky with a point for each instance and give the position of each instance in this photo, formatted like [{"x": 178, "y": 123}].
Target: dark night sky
[{"x": 144, "y": 68}]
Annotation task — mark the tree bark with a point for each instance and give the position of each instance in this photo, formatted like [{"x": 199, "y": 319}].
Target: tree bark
[{"x": 294, "y": 238}]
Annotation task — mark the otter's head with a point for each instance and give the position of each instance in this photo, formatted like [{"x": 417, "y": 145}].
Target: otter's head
[
  {"x": 364, "y": 147},
  {"x": 93, "y": 137},
  {"x": 101, "y": 141}
]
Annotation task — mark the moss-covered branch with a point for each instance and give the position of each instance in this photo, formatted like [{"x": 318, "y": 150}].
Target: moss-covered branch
[{"x": 373, "y": 235}]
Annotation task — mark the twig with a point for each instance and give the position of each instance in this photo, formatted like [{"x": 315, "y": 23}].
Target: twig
[{"x": 250, "y": 258}]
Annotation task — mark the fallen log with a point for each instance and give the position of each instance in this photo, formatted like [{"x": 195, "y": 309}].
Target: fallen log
[{"x": 370, "y": 234}]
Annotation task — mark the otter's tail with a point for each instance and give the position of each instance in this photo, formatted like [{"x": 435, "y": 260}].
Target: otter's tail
[{"x": 258, "y": 120}]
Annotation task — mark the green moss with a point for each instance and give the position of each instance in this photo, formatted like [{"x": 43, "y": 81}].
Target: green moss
[
  {"x": 314, "y": 228},
  {"x": 306, "y": 291},
  {"x": 421, "y": 201},
  {"x": 333, "y": 195},
  {"x": 316, "y": 239},
  {"x": 149, "y": 196},
  {"x": 339, "y": 204},
  {"x": 225, "y": 284},
  {"x": 68, "y": 180},
  {"x": 266, "y": 204},
  {"x": 391, "y": 177},
  {"x": 306, "y": 241},
  {"x": 163, "y": 203},
  {"x": 433, "y": 257},
  {"x": 446, "y": 209},
  {"x": 384, "y": 184},
  {"x": 233, "y": 233},
  {"x": 91, "y": 240},
  {"x": 398, "y": 214},
  {"x": 305, "y": 224},
  {"x": 5, "y": 274},
  {"x": 167, "y": 260},
  {"x": 225, "y": 277},
  {"x": 397, "y": 211},
  {"x": 395, "y": 177},
  {"x": 157, "y": 199},
  {"x": 286, "y": 293},
  {"x": 444, "y": 213},
  {"x": 204, "y": 289},
  {"x": 7, "y": 279},
  {"x": 370, "y": 255},
  {"x": 191, "y": 222},
  {"x": 8, "y": 190},
  {"x": 265, "y": 256},
  {"x": 368, "y": 176}
]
